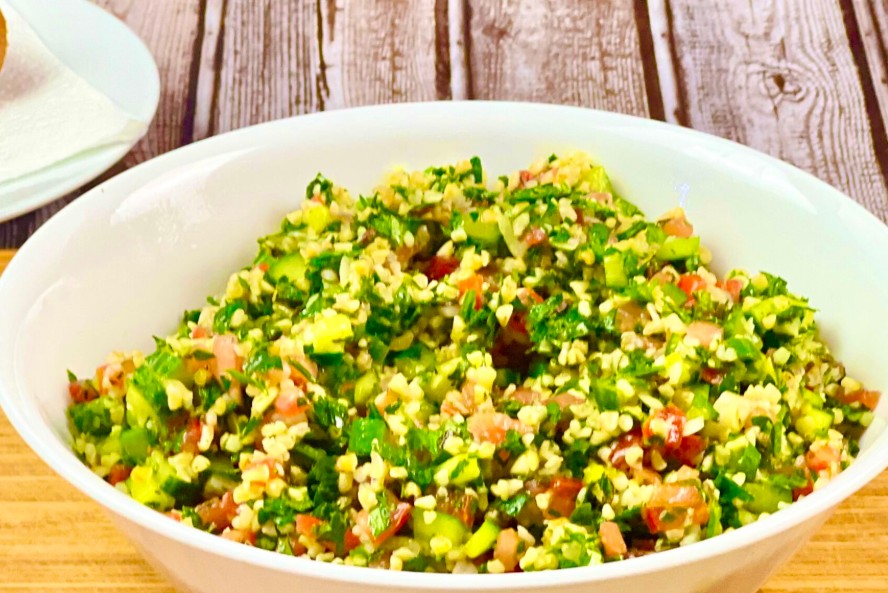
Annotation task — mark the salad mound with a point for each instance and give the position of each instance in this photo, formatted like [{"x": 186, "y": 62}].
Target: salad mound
[{"x": 461, "y": 374}]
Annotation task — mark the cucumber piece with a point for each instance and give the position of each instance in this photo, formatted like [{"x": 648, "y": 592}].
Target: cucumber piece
[
  {"x": 766, "y": 497},
  {"x": 317, "y": 217},
  {"x": 139, "y": 411},
  {"x": 459, "y": 470},
  {"x": 482, "y": 540},
  {"x": 410, "y": 364},
  {"x": 94, "y": 417},
  {"x": 674, "y": 248},
  {"x": 145, "y": 488},
  {"x": 614, "y": 271},
  {"x": 441, "y": 524},
  {"x": 486, "y": 233},
  {"x": 436, "y": 387},
  {"x": 291, "y": 266},
  {"x": 366, "y": 388},
  {"x": 134, "y": 445},
  {"x": 813, "y": 422}
]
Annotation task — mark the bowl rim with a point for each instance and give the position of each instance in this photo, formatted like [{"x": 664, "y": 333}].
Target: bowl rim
[{"x": 34, "y": 429}]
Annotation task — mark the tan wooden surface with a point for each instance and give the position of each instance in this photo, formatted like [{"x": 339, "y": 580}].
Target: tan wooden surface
[{"x": 804, "y": 80}]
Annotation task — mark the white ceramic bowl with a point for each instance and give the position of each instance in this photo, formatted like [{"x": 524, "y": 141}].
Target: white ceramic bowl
[{"x": 121, "y": 263}]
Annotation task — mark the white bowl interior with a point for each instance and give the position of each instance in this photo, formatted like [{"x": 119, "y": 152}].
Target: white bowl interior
[{"x": 122, "y": 263}]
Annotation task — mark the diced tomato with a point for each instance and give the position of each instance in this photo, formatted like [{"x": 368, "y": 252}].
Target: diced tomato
[
  {"x": 866, "y": 398},
  {"x": 667, "y": 508},
  {"x": 219, "y": 511},
  {"x": 240, "y": 536},
  {"x": 440, "y": 266},
  {"x": 691, "y": 283},
  {"x": 399, "y": 518},
  {"x": 805, "y": 490},
  {"x": 611, "y": 539},
  {"x": 625, "y": 442},
  {"x": 460, "y": 505},
  {"x": 535, "y": 236},
  {"x": 563, "y": 496},
  {"x": 689, "y": 449},
  {"x": 191, "y": 437},
  {"x": 199, "y": 332},
  {"x": 705, "y": 332},
  {"x": 226, "y": 355},
  {"x": 674, "y": 420},
  {"x": 822, "y": 458},
  {"x": 307, "y": 524},
  {"x": 529, "y": 297},
  {"x": 526, "y": 396},
  {"x": 506, "y": 550},
  {"x": 475, "y": 283},
  {"x": 174, "y": 515},
  {"x": 352, "y": 541},
  {"x": 581, "y": 218},
  {"x": 118, "y": 473},
  {"x": 491, "y": 427},
  {"x": 733, "y": 288},
  {"x": 565, "y": 400},
  {"x": 525, "y": 176},
  {"x": 287, "y": 402},
  {"x": 678, "y": 227},
  {"x": 263, "y": 266},
  {"x": 81, "y": 392},
  {"x": 629, "y": 314},
  {"x": 518, "y": 323},
  {"x": 712, "y": 376}
]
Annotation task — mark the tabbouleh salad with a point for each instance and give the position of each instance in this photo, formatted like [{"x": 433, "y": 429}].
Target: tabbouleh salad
[{"x": 461, "y": 374}]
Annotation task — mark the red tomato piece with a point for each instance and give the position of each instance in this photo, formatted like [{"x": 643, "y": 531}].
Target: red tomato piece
[
  {"x": 705, "y": 332},
  {"x": 611, "y": 539},
  {"x": 689, "y": 449},
  {"x": 399, "y": 518},
  {"x": 118, "y": 473},
  {"x": 474, "y": 283},
  {"x": 191, "y": 437},
  {"x": 822, "y": 458},
  {"x": 668, "y": 506},
  {"x": 219, "y": 511},
  {"x": 733, "y": 288},
  {"x": 678, "y": 227},
  {"x": 711, "y": 376},
  {"x": 563, "y": 496},
  {"x": 626, "y": 441},
  {"x": 868, "y": 399},
  {"x": 199, "y": 332},
  {"x": 307, "y": 524},
  {"x": 674, "y": 420},
  {"x": 440, "y": 266},
  {"x": 506, "y": 550},
  {"x": 81, "y": 392},
  {"x": 691, "y": 283},
  {"x": 535, "y": 236},
  {"x": 492, "y": 427}
]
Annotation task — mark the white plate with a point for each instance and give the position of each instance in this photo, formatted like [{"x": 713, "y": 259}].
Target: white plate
[{"x": 109, "y": 56}]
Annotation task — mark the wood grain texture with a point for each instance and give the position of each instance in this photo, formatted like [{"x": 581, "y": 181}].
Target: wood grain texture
[
  {"x": 170, "y": 29},
  {"x": 52, "y": 538},
  {"x": 574, "y": 52},
  {"x": 872, "y": 17},
  {"x": 283, "y": 58},
  {"x": 780, "y": 77}
]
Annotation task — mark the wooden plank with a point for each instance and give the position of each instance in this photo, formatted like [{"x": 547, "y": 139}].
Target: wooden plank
[
  {"x": 170, "y": 29},
  {"x": 557, "y": 51},
  {"x": 872, "y": 19},
  {"x": 780, "y": 77},
  {"x": 285, "y": 58}
]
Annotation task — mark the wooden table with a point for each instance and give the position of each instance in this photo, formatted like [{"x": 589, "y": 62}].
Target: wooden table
[{"x": 804, "y": 80}]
